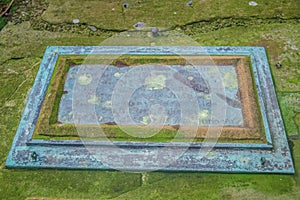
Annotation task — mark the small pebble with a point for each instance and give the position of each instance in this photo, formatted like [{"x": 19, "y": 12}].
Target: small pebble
[
  {"x": 190, "y": 78},
  {"x": 154, "y": 31},
  {"x": 17, "y": 21},
  {"x": 125, "y": 5},
  {"x": 92, "y": 28},
  {"x": 252, "y": 3},
  {"x": 76, "y": 21},
  {"x": 190, "y": 3},
  {"x": 278, "y": 65},
  {"x": 139, "y": 25}
]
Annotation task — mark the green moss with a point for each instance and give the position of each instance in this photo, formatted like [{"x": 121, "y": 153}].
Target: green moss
[
  {"x": 230, "y": 80},
  {"x": 155, "y": 82},
  {"x": 3, "y": 22},
  {"x": 5, "y": 1},
  {"x": 65, "y": 183},
  {"x": 60, "y": 90},
  {"x": 211, "y": 186},
  {"x": 290, "y": 107},
  {"x": 164, "y": 14},
  {"x": 295, "y": 80}
]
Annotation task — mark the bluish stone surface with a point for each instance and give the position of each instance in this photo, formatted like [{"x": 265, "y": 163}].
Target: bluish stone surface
[
  {"x": 144, "y": 97},
  {"x": 138, "y": 156}
]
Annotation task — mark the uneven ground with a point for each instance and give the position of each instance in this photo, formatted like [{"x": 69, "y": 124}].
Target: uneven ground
[{"x": 36, "y": 24}]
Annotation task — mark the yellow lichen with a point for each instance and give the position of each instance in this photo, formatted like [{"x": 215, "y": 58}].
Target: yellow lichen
[
  {"x": 155, "y": 82},
  {"x": 94, "y": 100},
  {"x": 85, "y": 79}
]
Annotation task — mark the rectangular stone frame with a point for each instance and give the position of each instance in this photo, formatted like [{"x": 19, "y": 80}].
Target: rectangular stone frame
[
  {"x": 272, "y": 157},
  {"x": 252, "y": 126}
]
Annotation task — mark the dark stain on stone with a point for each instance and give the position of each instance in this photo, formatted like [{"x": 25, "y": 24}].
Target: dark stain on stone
[
  {"x": 229, "y": 101},
  {"x": 72, "y": 64},
  {"x": 120, "y": 64},
  {"x": 195, "y": 85},
  {"x": 176, "y": 127},
  {"x": 111, "y": 123}
]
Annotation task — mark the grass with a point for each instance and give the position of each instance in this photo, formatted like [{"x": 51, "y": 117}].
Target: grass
[
  {"x": 5, "y": 1},
  {"x": 21, "y": 48},
  {"x": 59, "y": 92},
  {"x": 83, "y": 184},
  {"x": 290, "y": 106},
  {"x": 162, "y": 13},
  {"x": 194, "y": 185},
  {"x": 121, "y": 185},
  {"x": 3, "y": 22}
]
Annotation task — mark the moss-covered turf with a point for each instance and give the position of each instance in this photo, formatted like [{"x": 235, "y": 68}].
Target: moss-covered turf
[
  {"x": 290, "y": 107},
  {"x": 3, "y": 22},
  {"x": 162, "y": 13},
  {"x": 21, "y": 50}
]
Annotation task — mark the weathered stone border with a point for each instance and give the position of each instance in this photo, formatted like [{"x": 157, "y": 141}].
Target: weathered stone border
[{"x": 26, "y": 152}]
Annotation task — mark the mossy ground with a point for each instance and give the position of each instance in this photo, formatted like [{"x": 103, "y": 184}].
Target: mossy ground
[{"x": 21, "y": 50}]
